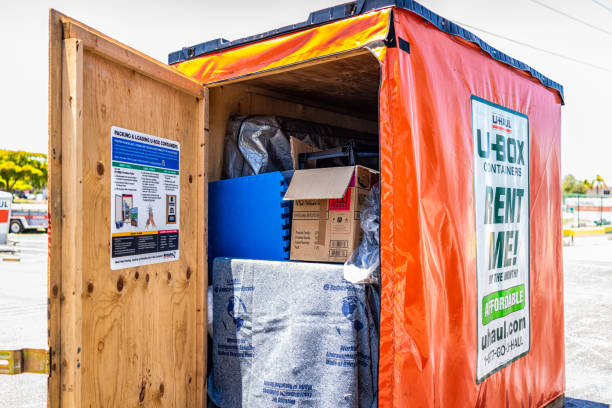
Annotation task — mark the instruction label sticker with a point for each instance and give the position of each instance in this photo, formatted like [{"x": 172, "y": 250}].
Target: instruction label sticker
[
  {"x": 501, "y": 200},
  {"x": 145, "y": 196}
]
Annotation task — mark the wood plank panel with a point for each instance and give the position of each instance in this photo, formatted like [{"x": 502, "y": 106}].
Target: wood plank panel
[
  {"x": 72, "y": 225},
  {"x": 135, "y": 336},
  {"x": 54, "y": 261},
  {"x": 349, "y": 83},
  {"x": 202, "y": 278},
  {"x": 146, "y": 314},
  {"x": 120, "y": 53}
]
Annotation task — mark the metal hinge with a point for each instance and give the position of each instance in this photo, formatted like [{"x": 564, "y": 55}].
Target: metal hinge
[{"x": 36, "y": 361}]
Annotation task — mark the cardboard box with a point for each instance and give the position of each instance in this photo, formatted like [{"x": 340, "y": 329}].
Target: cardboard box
[{"x": 326, "y": 206}]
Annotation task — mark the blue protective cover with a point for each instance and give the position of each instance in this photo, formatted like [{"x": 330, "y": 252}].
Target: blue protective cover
[{"x": 247, "y": 218}]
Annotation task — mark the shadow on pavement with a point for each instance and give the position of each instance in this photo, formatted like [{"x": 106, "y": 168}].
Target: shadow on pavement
[{"x": 30, "y": 232}]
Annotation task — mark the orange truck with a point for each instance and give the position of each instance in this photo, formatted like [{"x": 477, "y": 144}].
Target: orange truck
[{"x": 470, "y": 243}]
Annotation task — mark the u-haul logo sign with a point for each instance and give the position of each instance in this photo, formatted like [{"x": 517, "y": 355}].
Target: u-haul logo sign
[{"x": 500, "y": 139}]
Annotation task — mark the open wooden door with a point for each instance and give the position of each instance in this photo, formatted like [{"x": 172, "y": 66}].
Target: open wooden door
[{"x": 127, "y": 202}]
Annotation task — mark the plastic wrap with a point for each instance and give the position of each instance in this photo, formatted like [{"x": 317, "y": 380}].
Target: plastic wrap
[
  {"x": 210, "y": 311},
  {"x": 255, "y": 145},
  {"x": 292, "y": 334},
  {"x": 363, "y": 266},
  {"x": 260, "y": 144}
]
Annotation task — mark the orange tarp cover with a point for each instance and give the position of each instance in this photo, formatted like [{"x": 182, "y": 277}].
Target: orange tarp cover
[
  {"x": 329, "y": 39},
  {"x": 428, "y": 343},
  {"x": 429, "y": 292}
]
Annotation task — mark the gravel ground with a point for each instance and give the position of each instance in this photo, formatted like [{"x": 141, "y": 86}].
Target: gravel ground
[{"x": 588, "y": 318}]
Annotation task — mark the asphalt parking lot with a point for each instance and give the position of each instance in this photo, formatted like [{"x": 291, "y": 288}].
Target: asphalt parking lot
[
  {"x": 23, "y": 321},
  {"x": 588, "y": 318}
]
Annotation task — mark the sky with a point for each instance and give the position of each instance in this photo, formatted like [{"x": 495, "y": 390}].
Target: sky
[{"x": 568, "y": 41}]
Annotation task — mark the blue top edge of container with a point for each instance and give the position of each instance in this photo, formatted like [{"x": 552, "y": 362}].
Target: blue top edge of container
[{"x": 359, "y": 7}]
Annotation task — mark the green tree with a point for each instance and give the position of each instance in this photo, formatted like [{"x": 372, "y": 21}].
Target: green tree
[
  {"x": 586, "y": 186},
  {"x": 572, "y": 186},
  {"x": 22, "y": 170},
  {"x": 568, "y": 184}
]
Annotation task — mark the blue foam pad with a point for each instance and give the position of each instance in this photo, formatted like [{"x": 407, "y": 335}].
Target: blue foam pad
[{"x": 247, "y": 218}]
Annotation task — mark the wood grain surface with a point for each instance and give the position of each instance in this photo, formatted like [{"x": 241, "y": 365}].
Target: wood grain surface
[{"x": 132, "y": 337}]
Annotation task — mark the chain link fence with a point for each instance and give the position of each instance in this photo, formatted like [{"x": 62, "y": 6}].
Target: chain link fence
[{"x": 581, "y": 210}]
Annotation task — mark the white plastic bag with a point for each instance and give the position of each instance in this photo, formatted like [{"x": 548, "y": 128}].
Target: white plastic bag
[
  {"x": 363, "y": 266},
  {"x": 210, "y": 311}
]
